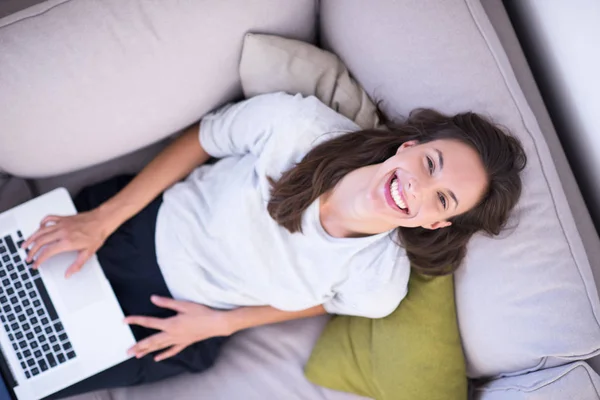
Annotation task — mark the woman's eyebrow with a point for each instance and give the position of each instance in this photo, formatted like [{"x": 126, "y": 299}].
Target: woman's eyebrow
[{"x": 441, "y": 164}]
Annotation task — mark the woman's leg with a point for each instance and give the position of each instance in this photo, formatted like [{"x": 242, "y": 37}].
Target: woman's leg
[{"x": 128, "y": 259}]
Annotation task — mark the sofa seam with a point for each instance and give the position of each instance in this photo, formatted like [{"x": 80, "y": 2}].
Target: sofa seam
[
  {"x": 535, "y": 142},
  {"x": 36, "y": 14},
  {"x": 543, "y": 384}
]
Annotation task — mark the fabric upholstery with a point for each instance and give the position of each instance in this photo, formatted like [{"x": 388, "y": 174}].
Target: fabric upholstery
[
  {"x": 576, "y": 381},
  {"x": 124, "y": 73},
  {"x": 412, "y": 354},
  {"x": 271, "y": 64},
  {"x": 527, "y": 299}
]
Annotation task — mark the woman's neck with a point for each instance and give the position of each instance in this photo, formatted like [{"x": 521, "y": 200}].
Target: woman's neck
[{"x": 343, "y": 210}]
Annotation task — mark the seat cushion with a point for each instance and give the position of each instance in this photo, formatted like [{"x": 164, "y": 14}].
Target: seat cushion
[
  {"x": 86, "y": 81},
  {"x": 261, "y": 363},
  {"x": 525, "y": 300},
  {"x": 577, "y": 381}
]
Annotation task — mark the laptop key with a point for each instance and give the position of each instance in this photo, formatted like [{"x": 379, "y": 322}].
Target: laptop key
[
  {"x": 42, "y": 338},
  {"x": 43, "y": 365},
  {"x": 58, "y": 326},
  {"x": 34, "y": 345},
  {"x": 45, "y": 347},
  {"x": 71, "y": 355},
  {"x": 56, "y": 347},
  {"x": 18, "y": 335},
  {"x": 25, "y": 326},
  {"x": 27, "y": 353},
  {"x": 29, "y": 311},
  {"x": 44, "y": 321},
  {"x": 52, "y": 339},
  {"x": 51, "y": 360},
  {"x": 27, "y": 374},
  {"x": 61, "y": 358},
  {"x": 35, "y": 371},
  {"x": 2, "y": 273},
  {"x": 10, "y": 244},
  {"x": 48, "y": 330},
  {"x": 46, "y": 299},
  {"x": 37, "y": 329},
  {"x": 63, "y": 336},
  {"x": 22, "y": 318},
  {"x": 23, "y": 365},
  {"x": 15, "y": 347},
  {"x": 37, "y": 354},
  {"x": 31, "y": 362},
  {"x": 22, "y": 344},
  {"x": 67, "y": 346},
  {"x": 29, "y": 335}
]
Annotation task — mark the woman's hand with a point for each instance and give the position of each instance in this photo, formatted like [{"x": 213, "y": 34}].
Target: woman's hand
[
  {"x": 84, "y": 233},
  {"x": 193, "y": 323}
]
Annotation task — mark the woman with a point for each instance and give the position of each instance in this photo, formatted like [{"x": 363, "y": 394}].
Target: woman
[{"x": 304, "y": 214}]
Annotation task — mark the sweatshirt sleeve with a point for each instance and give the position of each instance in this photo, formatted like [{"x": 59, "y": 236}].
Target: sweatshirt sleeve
[{"x": 244, "y": 127}]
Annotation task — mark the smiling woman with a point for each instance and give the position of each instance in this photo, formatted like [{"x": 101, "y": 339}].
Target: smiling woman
[{"x": 438, "y": 179}]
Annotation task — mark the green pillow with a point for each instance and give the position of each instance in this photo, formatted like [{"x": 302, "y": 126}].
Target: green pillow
[{"x": 414, "y": 353}]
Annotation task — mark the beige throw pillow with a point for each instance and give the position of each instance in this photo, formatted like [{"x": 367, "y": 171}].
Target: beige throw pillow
[{"x": 272, "y": 63}]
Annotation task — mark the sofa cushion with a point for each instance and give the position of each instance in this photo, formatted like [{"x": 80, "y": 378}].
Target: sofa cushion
[
  {"x": 271, "y": 63},
  {"x": 257, "y": 364},
  {"x": 527, "y": 299},
  {"x": 86, "y": 81},
  {"x": 576, "y": 381},
  {"x": 412, "y": 354},
  {"x": 13, "y": 191}
]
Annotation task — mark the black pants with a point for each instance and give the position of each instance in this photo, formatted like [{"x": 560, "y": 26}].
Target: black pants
[{"x": 128, "y": 259}]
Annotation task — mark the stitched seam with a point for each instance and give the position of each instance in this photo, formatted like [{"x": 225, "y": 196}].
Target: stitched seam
[
  {"x": 535, "y": 142},
  {"x": 35, "y": 15}
]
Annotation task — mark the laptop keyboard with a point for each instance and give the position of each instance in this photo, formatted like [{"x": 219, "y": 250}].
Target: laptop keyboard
[{"x": 27, "y": 313}]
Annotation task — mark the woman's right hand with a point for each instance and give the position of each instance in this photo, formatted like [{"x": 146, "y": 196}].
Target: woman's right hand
[{"x": 85, "y": 233}]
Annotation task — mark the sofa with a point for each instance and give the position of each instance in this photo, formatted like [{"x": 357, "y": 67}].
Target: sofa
[{"x": 94, "y": 88}]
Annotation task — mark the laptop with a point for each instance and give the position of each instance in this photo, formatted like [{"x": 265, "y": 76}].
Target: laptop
[{"x": 54, "y": 331}]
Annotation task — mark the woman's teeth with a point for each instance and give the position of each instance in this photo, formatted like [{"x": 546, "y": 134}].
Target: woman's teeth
[{"x": 396, "y": 195}]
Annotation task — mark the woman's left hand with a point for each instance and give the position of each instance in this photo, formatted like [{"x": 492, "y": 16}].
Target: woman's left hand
[{"x": 193, "y": 323}]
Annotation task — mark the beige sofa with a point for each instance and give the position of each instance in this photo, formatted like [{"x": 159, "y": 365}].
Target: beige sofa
[{"x": 92, "y": 88}]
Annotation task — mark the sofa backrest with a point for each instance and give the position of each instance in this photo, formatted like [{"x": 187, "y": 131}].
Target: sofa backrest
[{"x": 85, "y": 81}]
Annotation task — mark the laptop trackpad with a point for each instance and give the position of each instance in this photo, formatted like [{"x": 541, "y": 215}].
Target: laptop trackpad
[{"x": 80, "y": 289}]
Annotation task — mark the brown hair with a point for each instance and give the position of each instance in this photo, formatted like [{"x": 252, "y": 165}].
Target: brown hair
[{"x": 431, "y": 252}]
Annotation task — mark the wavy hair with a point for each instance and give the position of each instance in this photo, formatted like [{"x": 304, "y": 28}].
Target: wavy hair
[{"x": 431, "y": 252}]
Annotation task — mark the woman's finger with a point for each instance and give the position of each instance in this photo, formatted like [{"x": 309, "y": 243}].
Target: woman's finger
[
  {"x": 44, "y": 240},
  {"x": 170, "y": 352},
  {"x": 148, "y": 345},
  {"x": 82, "y": 257},
  {"x": 37, "y": 235},
  {"x": 50, "y": 250},
  {"x": 50, "y": 218},
  {"x": 148, "y": 322},
  {"x": 166, "y": 302}
]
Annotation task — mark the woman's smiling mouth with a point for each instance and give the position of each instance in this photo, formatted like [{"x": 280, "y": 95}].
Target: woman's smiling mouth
[{"x": 394, "y": 195}]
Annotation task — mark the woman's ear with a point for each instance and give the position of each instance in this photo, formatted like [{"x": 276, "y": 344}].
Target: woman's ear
[
  {"x": 438, "y": 225},
  {"x": 406, "y": 145}
]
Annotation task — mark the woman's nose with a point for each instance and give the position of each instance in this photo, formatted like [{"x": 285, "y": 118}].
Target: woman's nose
[{"x": 413, "y": 187}]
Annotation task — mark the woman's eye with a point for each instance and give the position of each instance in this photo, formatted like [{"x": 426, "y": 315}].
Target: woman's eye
[
  {"x": 442, "y": 200},
  {"x": 430, "y": 165}
]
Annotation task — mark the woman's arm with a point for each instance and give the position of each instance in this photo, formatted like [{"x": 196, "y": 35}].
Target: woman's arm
[
  {"x": 195, "y": 322},
  {"x": 248, "y": 317},
  {"x": 173, "y": 164},
  {"x": 87, "y": 231}
]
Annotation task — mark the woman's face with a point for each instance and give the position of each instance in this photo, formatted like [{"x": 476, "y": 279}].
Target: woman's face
[{"x": 427, "y": 184}]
